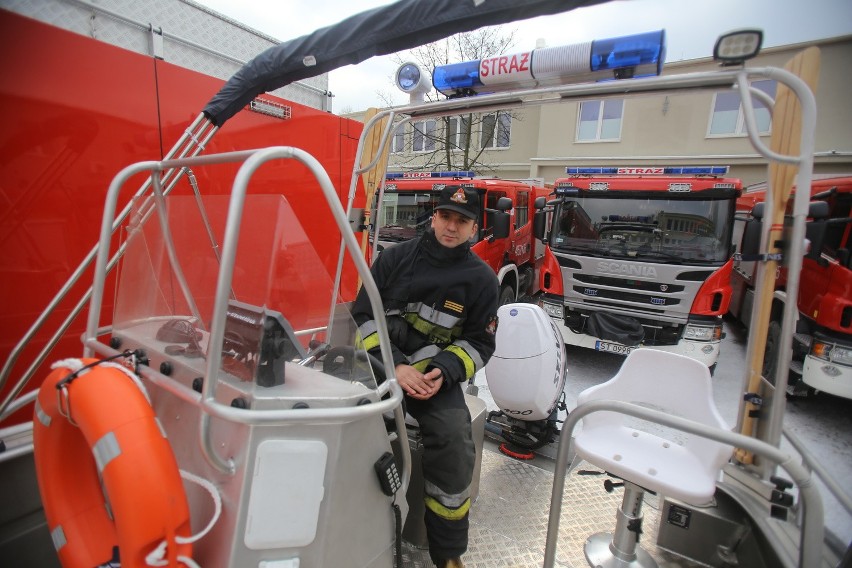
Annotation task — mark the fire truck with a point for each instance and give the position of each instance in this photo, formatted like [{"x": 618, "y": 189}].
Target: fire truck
[
  {"x": 640, "y": 256},
  {"x": 505, "y": 240},
  {"x": 822, "y": 344}
]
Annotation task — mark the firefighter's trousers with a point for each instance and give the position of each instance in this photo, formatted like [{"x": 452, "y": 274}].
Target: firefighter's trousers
[{"x": 449, "y": 456}]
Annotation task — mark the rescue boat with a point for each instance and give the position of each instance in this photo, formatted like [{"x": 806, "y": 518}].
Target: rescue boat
[{"x": 229, "y": 359}]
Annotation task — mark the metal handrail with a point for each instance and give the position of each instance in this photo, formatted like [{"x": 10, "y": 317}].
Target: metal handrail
[{"x": 206, "y": 401}]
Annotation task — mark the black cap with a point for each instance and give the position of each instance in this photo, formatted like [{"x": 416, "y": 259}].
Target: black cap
[{"x": 463, "y": 200}]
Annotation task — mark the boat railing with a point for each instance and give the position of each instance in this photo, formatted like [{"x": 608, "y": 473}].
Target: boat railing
[
  {"x": 191, "y": 143},
  {"x": 206, "y": 399}
]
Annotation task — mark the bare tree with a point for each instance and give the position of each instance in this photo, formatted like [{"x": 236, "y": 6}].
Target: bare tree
[{"x": 451, "y": 142}]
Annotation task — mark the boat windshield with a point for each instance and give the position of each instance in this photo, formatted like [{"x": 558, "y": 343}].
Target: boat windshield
[
  {"x": 165, "y": 298},
  {"x": 662, "y": 230}
]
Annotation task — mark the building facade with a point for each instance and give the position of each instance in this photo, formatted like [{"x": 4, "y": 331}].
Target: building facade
[{"x": 690, "y": 128}]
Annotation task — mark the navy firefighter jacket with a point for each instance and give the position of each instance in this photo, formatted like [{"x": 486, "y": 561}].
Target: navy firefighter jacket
[{"x": 440, "y": 304}]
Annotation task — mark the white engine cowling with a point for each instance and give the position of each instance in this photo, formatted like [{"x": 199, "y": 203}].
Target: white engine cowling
[{"x": 526, "y": 374}]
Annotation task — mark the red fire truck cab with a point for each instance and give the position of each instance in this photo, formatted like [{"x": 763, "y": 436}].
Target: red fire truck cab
[
  {"x": 640, "y": 257},
  {"x": 505, "y": 239}
]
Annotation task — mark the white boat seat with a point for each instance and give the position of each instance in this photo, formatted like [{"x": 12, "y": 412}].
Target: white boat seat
[{"x": 672, "y": 463}]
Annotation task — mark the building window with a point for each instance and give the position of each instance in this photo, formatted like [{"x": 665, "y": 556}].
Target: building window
[
  {"x": 398, "y": 140},
  {"x": 459, "y": 132},
  {"x": 496, "y": 130},
  {"x": 600, "y": 120},
  {"x": 728, "y": 119},
  {"x": 424, "y": 136}
]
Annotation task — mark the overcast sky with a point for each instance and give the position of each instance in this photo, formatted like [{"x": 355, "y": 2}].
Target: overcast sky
[{"x": 692, "y": 27}]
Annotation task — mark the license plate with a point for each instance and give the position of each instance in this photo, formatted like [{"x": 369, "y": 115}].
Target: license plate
[{"x": 612, "y": 347}]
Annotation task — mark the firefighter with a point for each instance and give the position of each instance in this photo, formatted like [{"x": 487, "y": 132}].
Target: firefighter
[{"x": 440, "y": 301}]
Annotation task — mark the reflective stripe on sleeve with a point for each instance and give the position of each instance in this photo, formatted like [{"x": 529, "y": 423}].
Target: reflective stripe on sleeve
[
  {"x": 367, "y": 337},
  {"x": 472, "y": 352},
  {"x": 421, "y": 358},
  {"x": 468, "y": 355}
]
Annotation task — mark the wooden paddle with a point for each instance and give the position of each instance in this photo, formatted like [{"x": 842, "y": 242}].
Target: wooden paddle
[
  {"x": 372, "y": 179},
  {"x": 785, "y": 139}
]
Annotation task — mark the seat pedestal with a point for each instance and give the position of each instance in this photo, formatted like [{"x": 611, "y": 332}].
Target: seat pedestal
[{"x": 621, "y": 548}]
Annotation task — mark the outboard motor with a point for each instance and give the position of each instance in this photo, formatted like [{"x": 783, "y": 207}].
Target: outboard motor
[{"x": 526, "y": 376}]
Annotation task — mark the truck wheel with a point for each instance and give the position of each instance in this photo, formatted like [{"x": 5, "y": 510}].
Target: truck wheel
[
  {"x": 770, "y": 355},
  {"x": 507, "y": 295}
]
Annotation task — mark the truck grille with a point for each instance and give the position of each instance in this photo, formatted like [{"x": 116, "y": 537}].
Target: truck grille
[
  {"x": 628, "y": 283},
  {"x": 650, "y": 300}
]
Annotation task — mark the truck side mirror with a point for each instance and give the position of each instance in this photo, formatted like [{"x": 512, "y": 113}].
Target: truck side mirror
[
  {"x": 500, "y": 223},
  {"x": 503, "y": 204},
  {"x": 539, "y": 222},
  {"x": 751, "y": 237},
  {"x": 750, "y": 243},
  {"x": 540, "y": 203},
  {"x": 815, "y": 229}
]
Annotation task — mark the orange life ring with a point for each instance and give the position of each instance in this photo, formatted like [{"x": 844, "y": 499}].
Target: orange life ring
[{"x": 103, "y": 422}]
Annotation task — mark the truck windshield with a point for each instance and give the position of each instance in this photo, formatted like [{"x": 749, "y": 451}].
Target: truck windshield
[
  {"x": 658, "y": 230},
  {"x": 405, "y": 215}
]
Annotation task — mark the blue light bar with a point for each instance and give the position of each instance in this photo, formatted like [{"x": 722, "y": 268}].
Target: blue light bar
[
  {"x": 639, "y": 55},
  {"x": 650, "y": 170},
  {"x": 459, "y": 173},
  {"x": 424, "y": 175},
  {"x": 566, "y": 189},
  {"x": 457, "y": 77}
]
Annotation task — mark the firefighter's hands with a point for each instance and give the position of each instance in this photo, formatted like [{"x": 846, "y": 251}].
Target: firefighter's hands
[{"x": 418, "y": 385}]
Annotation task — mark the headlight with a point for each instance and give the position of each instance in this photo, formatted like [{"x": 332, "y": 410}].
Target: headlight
[
  {"x": 702, "y": 333},
  {"x": 553, "y": 310},
  {"x": 831, "y": 352}
]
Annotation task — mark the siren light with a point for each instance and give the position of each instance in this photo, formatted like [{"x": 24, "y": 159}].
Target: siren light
[{"x": 639, "y": 55}]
